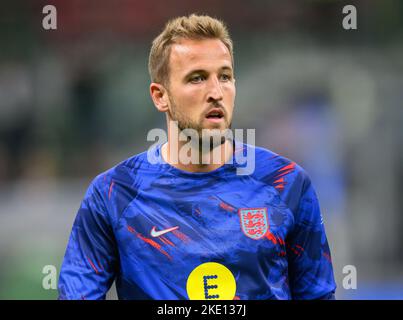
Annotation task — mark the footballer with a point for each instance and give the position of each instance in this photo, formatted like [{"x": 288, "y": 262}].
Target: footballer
[{"x": 164, "y": 228}]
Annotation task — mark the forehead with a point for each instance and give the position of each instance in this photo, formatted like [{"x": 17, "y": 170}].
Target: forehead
[{"x": 189, "y": 54}]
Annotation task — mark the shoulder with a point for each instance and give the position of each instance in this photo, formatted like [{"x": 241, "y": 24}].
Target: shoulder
[
  {"x": 123, "y": 170},
  {"x": 274, "y": 168},
  {"x": 123, "y": 173},
  {"x": 287, "y": 177},
  {"x": 111, "y": 191}
]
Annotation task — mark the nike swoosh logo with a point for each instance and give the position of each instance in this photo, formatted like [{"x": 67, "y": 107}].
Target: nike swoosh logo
[{"x": 155, "y": 233}]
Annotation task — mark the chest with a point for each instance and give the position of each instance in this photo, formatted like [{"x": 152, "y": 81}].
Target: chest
[{"x": 228, "y": 224}]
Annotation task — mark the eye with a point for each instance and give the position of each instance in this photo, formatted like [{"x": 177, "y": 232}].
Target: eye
[
  {"x": 225, "y": 77},
  {"x": 196, "y": 79}
]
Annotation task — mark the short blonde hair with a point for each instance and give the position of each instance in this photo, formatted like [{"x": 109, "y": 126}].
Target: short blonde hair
[{"x": 186, "y": 27}]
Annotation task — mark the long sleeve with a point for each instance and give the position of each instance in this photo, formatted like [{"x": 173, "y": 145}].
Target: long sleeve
[
  {"x": 310, "y": 266},
  {"x": 89, "y": 266}
]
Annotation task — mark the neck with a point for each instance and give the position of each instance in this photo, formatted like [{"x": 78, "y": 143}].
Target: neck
[{"x": 188, "y": 156}]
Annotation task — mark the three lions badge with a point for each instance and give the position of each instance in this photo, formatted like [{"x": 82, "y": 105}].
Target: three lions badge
[{"x": 254, "y": 222}]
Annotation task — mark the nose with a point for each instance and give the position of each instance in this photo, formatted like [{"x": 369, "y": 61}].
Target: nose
[{"x": 215, "y": 91}]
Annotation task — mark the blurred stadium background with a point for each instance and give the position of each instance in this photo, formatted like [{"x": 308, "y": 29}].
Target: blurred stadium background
[{"x": 74, "y": 102}]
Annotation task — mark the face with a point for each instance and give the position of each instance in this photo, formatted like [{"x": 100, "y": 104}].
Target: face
[{"x": 201, "y": 87}]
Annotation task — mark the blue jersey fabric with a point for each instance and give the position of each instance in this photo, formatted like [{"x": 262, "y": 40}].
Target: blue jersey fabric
[{"x": 285, "y": 257}]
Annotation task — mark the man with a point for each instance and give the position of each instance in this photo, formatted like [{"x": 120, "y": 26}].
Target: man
[{"x": 166, "y": 228}]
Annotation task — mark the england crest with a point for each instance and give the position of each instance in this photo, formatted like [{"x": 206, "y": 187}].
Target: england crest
[{"x": 254, "y": 222}]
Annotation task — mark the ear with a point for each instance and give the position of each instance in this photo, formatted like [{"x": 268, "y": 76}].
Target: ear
[{"x": 159, "y": 96}]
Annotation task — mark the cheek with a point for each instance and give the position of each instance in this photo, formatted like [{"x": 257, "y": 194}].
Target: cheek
[
  {"x": 188, "y": 98},
  {"x": 230, "y": 93}
]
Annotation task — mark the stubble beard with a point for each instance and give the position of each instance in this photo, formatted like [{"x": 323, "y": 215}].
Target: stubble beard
[{"x": 184, "y": 122}]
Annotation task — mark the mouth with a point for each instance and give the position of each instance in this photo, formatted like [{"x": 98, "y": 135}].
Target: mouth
[{"x": 215, "y": 115}]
